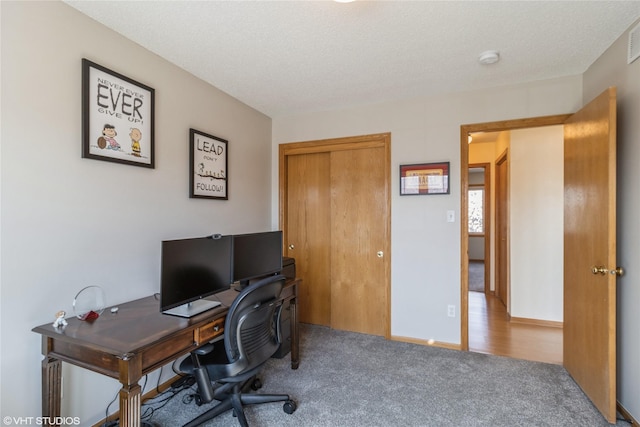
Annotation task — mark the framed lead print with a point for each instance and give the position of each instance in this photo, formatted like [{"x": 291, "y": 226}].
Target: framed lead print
[
  {"x": 117, "y": 117},
  {"x": 424, "y": 178},
  {"x": 208, "y": 166}
]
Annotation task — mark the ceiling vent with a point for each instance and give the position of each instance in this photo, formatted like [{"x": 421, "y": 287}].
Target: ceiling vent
[{"x": 634, "y": 44}]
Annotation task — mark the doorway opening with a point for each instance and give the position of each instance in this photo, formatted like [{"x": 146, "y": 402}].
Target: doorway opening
[{"x": 486, "y": 316}]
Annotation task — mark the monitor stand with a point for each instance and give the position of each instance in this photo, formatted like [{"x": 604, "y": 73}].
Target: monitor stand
[
  {"x": 239, "y": 286},
  {"x": 192, "y": 308}
]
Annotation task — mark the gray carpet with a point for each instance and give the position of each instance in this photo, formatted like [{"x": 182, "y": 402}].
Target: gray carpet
[
  {"x": 476, "y": 276},
  {"x": 349, "y": 379}
]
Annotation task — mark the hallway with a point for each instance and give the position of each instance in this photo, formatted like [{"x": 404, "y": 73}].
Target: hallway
[{"x": 491, "y": 332}]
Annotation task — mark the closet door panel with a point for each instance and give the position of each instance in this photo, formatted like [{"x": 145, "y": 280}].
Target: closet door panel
[
  {"x": 309, "y": 233},
  {"x": 359, "y": 218}
]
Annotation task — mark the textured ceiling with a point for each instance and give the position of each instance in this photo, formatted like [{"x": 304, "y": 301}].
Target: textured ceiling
[{"x": 288, "y": 57}]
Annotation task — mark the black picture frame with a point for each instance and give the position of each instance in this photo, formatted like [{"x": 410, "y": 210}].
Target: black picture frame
[
  {"x": 424, "y": 179},
  {"x": 116, "y": 109},
  {"x": 208, "y": 166}
]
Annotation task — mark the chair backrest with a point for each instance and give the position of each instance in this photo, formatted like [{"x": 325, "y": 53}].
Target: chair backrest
[{"x": 251, "y": 328}]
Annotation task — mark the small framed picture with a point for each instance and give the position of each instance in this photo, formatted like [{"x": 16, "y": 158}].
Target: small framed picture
[
  {"x": 117, "y": 117},
  {"x": 208, "y": 166},
  {"x": 424, "y": 178}
]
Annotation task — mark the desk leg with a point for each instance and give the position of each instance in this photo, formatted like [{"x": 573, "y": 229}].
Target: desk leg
[
  {"x": 131, "y": 392},
  {"x": 295, "y": 339},
  {"x": 130, "y": 405},
  {"x": 51, "y": 387}
]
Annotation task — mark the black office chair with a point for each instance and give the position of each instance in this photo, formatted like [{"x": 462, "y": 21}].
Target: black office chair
[{"x": 251, "y": 336}]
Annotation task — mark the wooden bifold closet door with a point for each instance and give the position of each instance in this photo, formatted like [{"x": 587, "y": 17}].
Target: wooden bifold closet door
[{"x": 335, "y": 214}]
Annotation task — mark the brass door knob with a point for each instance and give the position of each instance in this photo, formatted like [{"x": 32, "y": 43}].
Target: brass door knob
[
  {"x": 292, "y": 247},
  {"x": 599, "y": 270},
  {"x": 618, "y": 271}
]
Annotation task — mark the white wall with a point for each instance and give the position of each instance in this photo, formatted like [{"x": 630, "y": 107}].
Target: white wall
[
  {"x": 536, "y": 206},
  {"x": 611, "y": 69},
  {"x": 67, "y": 222},
  {"x": 426, "y": 278}
]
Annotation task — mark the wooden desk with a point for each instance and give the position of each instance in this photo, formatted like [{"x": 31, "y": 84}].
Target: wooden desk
[{"x": 133, "y": 342}]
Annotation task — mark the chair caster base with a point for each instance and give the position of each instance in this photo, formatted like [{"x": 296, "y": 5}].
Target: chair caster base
[{"x": 289, "y": 407}]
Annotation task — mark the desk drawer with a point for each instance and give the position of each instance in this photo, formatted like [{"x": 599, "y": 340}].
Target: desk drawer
[
  {"x": 163, "y": 351},
  {"x": 209, "y": 331}
]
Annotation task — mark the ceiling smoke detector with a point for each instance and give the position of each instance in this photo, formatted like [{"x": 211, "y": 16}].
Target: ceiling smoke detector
[{"x": 489, "y": 57}]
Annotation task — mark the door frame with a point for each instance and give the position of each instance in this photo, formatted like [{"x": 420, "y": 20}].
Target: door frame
[
  {"x": 339, "y": 144},
  {"x": 465, "y": 130}
]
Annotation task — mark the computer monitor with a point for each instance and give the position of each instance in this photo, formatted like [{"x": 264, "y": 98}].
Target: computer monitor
[
  {"x": 191, "y": 270},
  {"x": 255, "y": 256}
]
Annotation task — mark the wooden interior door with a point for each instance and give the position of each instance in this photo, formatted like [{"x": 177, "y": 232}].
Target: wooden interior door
[
  {"x": 335, "y": 215},
  {"x": 358, "y": 240},
  {"x": 590, "y": 241},
  {"x": 308, "y": 239},
  {"x": 502, "y": 230}
]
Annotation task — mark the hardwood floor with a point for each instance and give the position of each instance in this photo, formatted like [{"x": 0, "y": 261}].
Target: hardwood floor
[{"x": 491, "y": 332}]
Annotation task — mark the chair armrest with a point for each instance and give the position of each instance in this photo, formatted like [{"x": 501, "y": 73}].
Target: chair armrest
[{"x": 205, "y": 349}]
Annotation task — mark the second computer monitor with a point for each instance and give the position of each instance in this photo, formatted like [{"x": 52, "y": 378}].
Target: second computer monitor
[{"x": 256, "y": 255}]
